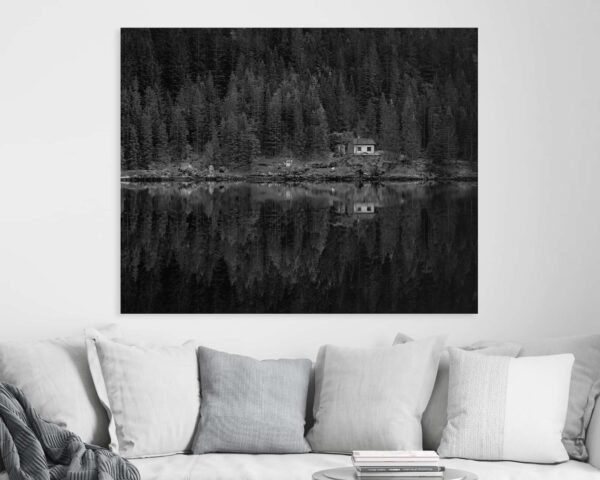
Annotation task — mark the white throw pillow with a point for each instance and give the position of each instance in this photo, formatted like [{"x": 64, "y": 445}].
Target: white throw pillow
[
  {"x": 54, "y": 376},
  {"x": 151, "y": 394},
  {"x": 502, "y": 408}
]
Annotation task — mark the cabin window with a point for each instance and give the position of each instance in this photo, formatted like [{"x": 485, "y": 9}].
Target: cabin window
[
  {"x": 369, "y": 209},
  {"x": 369, "y": 149},
  {"x": 358, "y": 149}
]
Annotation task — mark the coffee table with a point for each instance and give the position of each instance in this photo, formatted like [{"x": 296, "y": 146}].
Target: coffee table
[{"x": 349, "y": 473}]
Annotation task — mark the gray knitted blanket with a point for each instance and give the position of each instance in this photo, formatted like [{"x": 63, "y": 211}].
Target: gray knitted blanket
[{"x": 33, "y": 449}]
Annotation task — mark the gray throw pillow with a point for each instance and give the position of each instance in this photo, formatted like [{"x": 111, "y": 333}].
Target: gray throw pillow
[
  {"x": 585, "y": 384},
  {"x": 251, "y": 406},
  {"x": 435, "y": 415},
  {"x": 372, "y": 399}
]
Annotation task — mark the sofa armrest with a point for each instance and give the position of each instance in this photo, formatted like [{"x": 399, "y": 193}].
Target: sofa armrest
[{"x": 593, "y": 436}]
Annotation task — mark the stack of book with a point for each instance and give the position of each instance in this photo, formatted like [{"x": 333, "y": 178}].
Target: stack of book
[{"x": 404, "y": 464}]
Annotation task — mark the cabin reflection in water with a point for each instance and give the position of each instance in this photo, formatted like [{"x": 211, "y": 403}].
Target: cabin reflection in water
[{"x": 364, "y": 207}]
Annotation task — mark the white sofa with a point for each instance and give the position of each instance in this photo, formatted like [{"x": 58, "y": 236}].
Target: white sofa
[
  {"x": 226, "y": 466},
  {"x": 266, "y": 467},
  {"x": 220, "y": 466},
  {"x": 301, "y": 467}
]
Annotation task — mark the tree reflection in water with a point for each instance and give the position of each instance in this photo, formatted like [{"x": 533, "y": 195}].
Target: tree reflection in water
[{"x": 242, "y": 247}]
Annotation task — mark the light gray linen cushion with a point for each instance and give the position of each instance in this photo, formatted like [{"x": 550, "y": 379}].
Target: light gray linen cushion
[
  {"x": 435, "y": 415},
  {"x": 585, "y": 384},
  {"x": 251, "y": 406},
  {"x": 373, "y": 399}
]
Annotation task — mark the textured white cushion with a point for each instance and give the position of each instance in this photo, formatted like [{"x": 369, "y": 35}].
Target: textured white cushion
[
  {"x": 54, "y": 376},
  {"x": 502, "y": 408},
  {"x": 222, "y": 466},
  {"x": 435, "y": 415},
  {"x": 373, "y": 399},
  {"x": 151, "y": 393}
]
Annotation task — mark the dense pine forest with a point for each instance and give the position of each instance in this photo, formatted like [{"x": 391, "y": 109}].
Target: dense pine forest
[{"x": 228, "y": 96}]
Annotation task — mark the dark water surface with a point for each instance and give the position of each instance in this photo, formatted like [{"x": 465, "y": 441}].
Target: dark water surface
[{"x": 239, "y": 247}]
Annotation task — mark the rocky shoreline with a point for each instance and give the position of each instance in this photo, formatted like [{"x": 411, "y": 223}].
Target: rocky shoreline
[
  {"x": 291, "y": 177},
  {"x": 349, "y": 168}
]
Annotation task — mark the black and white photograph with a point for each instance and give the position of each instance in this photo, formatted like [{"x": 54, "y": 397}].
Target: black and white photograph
[{"x": 299, "y": 170}]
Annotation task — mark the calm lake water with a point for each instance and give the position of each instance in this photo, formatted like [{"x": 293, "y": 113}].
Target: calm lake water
[{"x": 405, "y": 247}]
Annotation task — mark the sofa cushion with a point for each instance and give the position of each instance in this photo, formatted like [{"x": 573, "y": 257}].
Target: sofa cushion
[
  {"x": 54, "y": 376},
  {"x": 151, "y": 393},
  {"x": 231, "y": 466},
  {"x": 222, "y": 466},
  {"x": 593, "y": 437},
  {"x": 373, "y": 399},
  {"x": 502, "y": 408},
  {"x": 585, "y": 384},
  {"x": 435, "y": 415},
  {"x": 251, "y": 406}
]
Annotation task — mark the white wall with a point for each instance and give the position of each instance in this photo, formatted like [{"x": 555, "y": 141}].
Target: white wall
[{"x": 539, "y": 236}]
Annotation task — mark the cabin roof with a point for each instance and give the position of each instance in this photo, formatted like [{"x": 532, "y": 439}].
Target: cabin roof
[{"x": 363, "y": 141}]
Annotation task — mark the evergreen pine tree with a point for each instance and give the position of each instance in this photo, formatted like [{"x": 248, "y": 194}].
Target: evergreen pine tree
[
  {"x": 125, "y": 124},
  {"x": 161, "y": 146},
  {"x": 390, "y": 126},
  {"x": 146, "y": 143},
  {"x": 449, "y": 135},
  {"x": 371, "y": 118},
  {"x": 134, "y": 149},
  {"x": 197, "y": 122},
  {"x": 230, "y": 141},
  {"x": 273, "y": 125},
  {"x": 178, "y": 134},
  {"x": 135, "y": 105},
  {"x": 319, "y": 135},
  {"x": 248, "y": 143},
  {"x": 298, "y": 136},
  {"x": 317, "y": 132},
  {"x": 212, "y": 149},
  {"x": 443, "y": 144},
  {"x": 411, "y": 142}
]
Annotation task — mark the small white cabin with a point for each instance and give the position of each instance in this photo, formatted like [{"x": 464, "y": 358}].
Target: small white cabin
[{"x": 361, "y": 146}]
